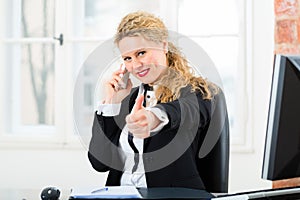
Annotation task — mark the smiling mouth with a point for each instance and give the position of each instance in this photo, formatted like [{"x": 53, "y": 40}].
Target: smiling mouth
[{"x": 143, "y": 72}]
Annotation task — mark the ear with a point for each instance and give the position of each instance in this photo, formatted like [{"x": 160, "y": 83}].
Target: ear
[{"x": 165, "y": 47}]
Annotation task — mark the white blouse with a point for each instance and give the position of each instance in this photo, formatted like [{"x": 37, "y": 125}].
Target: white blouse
[{"x": 138, "y": 178}]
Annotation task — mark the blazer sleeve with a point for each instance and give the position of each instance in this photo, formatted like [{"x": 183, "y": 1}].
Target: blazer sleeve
[
  {"x": 189, "y": 110},
  {"x": 103, "y": 141},
  {"x": 103, "y": 150}
]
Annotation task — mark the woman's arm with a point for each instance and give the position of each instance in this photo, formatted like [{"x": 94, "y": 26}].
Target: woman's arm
[
  {"x": 104, "y": 139},
  {"x": 189, "y": 111},
  {"x": 105, "y": 136}
]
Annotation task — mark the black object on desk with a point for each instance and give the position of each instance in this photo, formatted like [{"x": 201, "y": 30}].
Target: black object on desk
[
  {"x": 289, "y": 193},
  {"x": 174, "y": 193},
  {"x": 50, "y": 193}
]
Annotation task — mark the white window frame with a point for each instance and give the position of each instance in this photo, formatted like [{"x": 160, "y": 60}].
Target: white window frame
[{"x": 243, "y": 142}]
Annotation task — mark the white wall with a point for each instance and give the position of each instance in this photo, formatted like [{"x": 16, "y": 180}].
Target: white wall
[{"x": 35, "y": 168}]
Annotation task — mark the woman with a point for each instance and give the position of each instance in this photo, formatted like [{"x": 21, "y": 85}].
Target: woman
[{"x": 158, "y": 127}]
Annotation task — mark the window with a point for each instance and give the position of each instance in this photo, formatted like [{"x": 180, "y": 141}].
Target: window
[
  {"x": 40, "y": 73},
  {"x": 220, "y": 28},
  {"x": 30, "y": 66}
]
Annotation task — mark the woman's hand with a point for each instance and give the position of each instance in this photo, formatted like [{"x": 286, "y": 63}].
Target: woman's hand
[
  {"x": 141, "y": 121},
  {"x": 113, "y": 93}
]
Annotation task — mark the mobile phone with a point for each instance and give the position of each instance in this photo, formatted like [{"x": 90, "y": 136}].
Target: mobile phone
[{"x": 124, "y": 77}]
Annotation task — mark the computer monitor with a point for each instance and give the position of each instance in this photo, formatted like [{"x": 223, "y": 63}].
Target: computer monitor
[{"x": 282, "y": 144}]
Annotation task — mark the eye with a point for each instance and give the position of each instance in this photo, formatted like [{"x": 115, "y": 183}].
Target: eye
[
  {"x": 127, "y": 59},
  {"x": 141, "y": 53}
]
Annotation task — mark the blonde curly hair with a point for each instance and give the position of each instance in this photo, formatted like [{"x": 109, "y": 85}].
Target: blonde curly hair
[{"x": 178, "y": 74}]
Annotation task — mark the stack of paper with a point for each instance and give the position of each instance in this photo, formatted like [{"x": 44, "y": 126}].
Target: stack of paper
[{"x": 120, "y": 192}]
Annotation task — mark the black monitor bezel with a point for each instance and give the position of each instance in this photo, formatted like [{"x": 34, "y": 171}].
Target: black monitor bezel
[{"x": 280, "y": 64}]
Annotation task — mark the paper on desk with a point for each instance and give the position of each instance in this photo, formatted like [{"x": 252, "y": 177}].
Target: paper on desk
[
  {"x": 234, "y": 197},
  {"x": 121, "y": 192}
]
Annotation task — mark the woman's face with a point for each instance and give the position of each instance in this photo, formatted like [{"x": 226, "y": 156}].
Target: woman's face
[{"x": 146, "y": 60}]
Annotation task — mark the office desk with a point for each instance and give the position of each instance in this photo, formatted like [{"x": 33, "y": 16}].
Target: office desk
[
  {"x": 291, "y": 193},
  {"x": 158, "y": 193},
  {"x": 151, "y": 193}
]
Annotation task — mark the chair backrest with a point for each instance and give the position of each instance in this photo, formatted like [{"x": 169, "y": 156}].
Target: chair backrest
[{"x": 213, "y": 164}]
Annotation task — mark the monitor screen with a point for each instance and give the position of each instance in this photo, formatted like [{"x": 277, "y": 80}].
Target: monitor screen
[{"x": 282, "y": 144}]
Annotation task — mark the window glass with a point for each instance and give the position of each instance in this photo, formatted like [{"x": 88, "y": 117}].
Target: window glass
[
  {"x": 81, "y": 52},
  {"x": 32, "y": 83},
  {"x": 204, "y": 17},
  {"x": 31, "y": 18},
  {"x": 214, "y": 25},
  {"x": 37, "y": 84},
  {"x": 224, "y": 53},
  {"x": 30, "y": 80},
  {"x": 101, "y": 17}
]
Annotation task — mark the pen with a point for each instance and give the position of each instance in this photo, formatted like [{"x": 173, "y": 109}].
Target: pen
[{"x": 99, "y": 190}]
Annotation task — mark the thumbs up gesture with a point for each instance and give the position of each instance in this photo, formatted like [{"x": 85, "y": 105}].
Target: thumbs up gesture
[{"x": 141, "y": 121}]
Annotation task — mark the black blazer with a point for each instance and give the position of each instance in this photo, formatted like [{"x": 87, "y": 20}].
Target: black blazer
[{"x": 170, "y": 156}]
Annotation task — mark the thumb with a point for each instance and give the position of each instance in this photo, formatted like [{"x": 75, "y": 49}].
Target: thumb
[{"x": 138, "y": 103}]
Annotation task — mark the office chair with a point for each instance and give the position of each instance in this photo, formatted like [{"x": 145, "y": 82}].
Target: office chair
[{"x": 213, "y": 162}]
